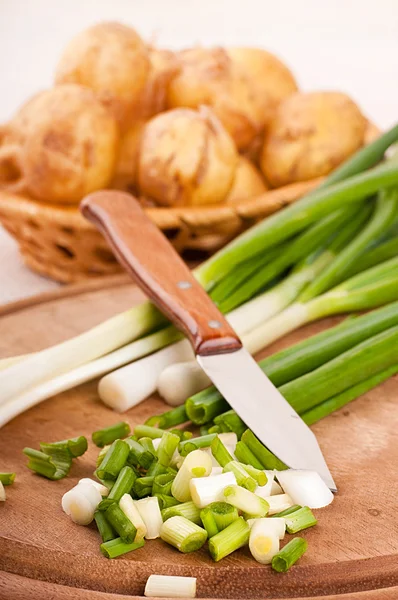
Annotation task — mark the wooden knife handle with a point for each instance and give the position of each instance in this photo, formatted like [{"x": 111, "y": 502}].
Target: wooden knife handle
[{"x": 147, "y": 255}]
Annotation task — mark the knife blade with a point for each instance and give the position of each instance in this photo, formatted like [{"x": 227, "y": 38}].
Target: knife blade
[{"x": 146, "y": 253}]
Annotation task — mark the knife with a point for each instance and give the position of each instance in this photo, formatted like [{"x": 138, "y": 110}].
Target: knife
[{"x": 149, "y": 257}]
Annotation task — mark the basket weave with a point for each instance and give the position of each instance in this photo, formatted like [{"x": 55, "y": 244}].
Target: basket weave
[{"x": 58, "y": 242}]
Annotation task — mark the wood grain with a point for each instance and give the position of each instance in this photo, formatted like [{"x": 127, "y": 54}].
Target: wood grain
[
  {"x": 149, "y": 257},
  {"x": 353, "y": 550}
]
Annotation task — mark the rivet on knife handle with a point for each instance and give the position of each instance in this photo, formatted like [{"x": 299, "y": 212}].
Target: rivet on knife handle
[{"x": 146, "y": 253}]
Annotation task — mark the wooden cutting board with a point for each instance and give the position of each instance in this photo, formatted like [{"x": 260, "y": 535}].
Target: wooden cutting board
[{"x": 353, "y": 552}]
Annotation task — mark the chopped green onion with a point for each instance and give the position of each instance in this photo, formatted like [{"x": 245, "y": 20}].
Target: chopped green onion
[
  {"x": 151, "y": 515},
  {"x": 189, "y": 510},
  {"x": 148, "y": 445},
  {"x": 101, "y": 454},
  {"x": 289, "y": 555},
  {"x": 204, "y": 406},
  {"x": 162, "y": 484},
  {"x": 128, "y": 506},
  {"x": 206, "y": 490},
  {"x": 167, "y": 586},
  {"x": 259, "y": 476},
  {"x": 264, "y": 456},
  {"x": 278, "y": 503},
  {"x": 300, "y": 519},
  {"x": 232, "y": 421},
  {"x": 264, "y": 540},
  {"x": 117, "y": 547},
  {"x": 217, "y": 516},
  {"x": 213, "y": 429},
  {"x": 157, "y": 469},
  {"x": 183, "y": 435},
  {"x": 183, "y": 534},
  {"x": 120, "y": 523},
  {"x": 276, "y": 525},
  {"x": 138, "y": 455},
  {"x": 242, "y": 476},
  {"x": 147, "y": 431},
  {"x": 75, "y": 446},
  {"x": 220, "y": 452},
  {"x": 81, "y": 502},
  {"x": 171, "y": 418},
  {"x": 48, "y": 466},
  {"x": 287, "y": 511},
  {"x": 195, "y": 443},
  {"x": 246, "y": 501},
  {"x": 196, "y": 464},
  {"x": 143, "y": 486},
  {"x": 246, "y": 456},
  {"x": 306, "y": 488},
  {"x": 229, "y": 539},
  {"x": 168, "y": 445},
  {"x": 166, "y": 501},
  {"x": 3, "y": 496},
  {"x": 7, "y": 478},
  {"x": 106, "y": 436},
  {"x": 114, "y": 460},
  {"x": 105, "y": 529},
  {"x": 123, "y": 485}
]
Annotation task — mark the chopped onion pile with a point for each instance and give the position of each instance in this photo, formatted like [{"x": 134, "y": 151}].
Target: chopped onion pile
[{"x": 203, "y": 495}]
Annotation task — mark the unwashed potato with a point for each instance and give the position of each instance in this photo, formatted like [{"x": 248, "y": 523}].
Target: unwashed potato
[
  {"x": 209, "y": 76},
  {"x": 112, "y": 60},
  {"x": 248, "y": 182},
  {"x": 186, "y": 158},
  {"x": 126, "y": 170},
  {"x": 163, "y": 67},
  {"x": 310, "y": 135},
  {"x": 270, "y": 74},
  {"x": 68, "y": 147}
]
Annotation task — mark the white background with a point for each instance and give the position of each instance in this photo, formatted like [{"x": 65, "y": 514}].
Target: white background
[{"x": 349, "y": 45}]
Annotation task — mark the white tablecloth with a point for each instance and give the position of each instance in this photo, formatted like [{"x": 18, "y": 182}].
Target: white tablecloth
[{"x": 350, "y": 45}]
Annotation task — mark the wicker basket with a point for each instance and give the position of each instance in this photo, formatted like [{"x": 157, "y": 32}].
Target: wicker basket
[{"x": 59, "y": 243}]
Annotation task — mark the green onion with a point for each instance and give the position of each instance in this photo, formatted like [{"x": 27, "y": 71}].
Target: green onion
[
  {"x": 336, "y": 272},
  {"x": 231, "y": 421},
  {"x": 300, "y": 519},
  {"x": 117, "y": 547},
  {"x": 151, "y": 515},
  {"x": 162, "y": 484},
  {"x": 196, "y": 464},
  {"x": 147, "y": 444},
  {"x": 289, "y": 555},
  {"x": 120, "y": 523},
  {"x": 129, "y": 507},
  {"x": 114, "y": 460},
  {"x": 166, "y": 501},
  {"x": 75, "y": 446},
  {"x": 263, "y": 455},
  {"x": 246, "y": 456},
  {"x": 189, "y": 510},
  {"x": 183, "y": 534},
  {"x": 217, "y": 516},
  {"x": 157, "y": 469},
  {"x": 375, "y": 256},
  {"x": 173, "y": 417},
  {"x": 246, "y": 501},
  {"x": 143, "y": 486},
  {"x": 229, "y": 539},
  {"x": 220, "y": 452},
  {"x": 123, "y": 485},
  {"x": 329, "y": 406},
  {"x": 259, "y": 476},
  {"x": 7, "y": 478},
  {"x": 106, "y": 436},
  {"x": 183, "y": 435},
  {"x": 287, "y": 511},
  {"x": 101, "y": 454},
  {"x": 105, "y": 529},
  {"x": 204, "y": 406},
  {"x": 373, "y": 355},
  {"x": 45, "y": 465},
  {"x": 138, "y": 455},
  {"x": 148, "y": 431},
  {"x": 282, "y": 225},
  {"x": 242, "y": 477},
  {"x": 213, "y": 429},
  {"x": 195, "y": 443},
  {"x": 167, "y": 447}
]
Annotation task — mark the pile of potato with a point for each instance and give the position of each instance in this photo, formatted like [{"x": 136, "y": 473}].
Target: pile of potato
[{"x": 195, "y": 127}]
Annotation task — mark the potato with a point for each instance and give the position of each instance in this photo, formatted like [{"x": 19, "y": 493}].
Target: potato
[
  {"x": 126, "y": 170},
  {"x": 70, "y": 145},
  {"x": 310, "y": 135},
  {"x": 248, "y": 182},
  {"x": 270, "y": 75},
  {"x": 186, "y": 158},
  {"x": 163, "y": 67},
  {"x": 112, "y": 60},
  {"x": 209, "y": 76}
]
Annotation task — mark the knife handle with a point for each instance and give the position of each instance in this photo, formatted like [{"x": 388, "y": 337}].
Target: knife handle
[{"x": 148, "y": 256}]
